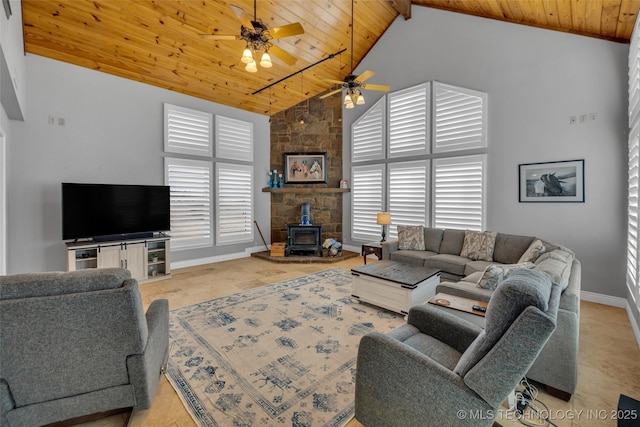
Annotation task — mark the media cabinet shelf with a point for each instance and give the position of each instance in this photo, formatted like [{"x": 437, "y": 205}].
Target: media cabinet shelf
[
  {"x": 305, "y": 190},
  {"x": 136, "y": 255}
]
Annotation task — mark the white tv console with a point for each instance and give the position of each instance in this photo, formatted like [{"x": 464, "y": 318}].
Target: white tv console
[{"x": 147, "y": 259}]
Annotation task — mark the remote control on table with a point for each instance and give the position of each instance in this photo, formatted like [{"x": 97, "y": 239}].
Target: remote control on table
[{"x": 479, "y": 308}]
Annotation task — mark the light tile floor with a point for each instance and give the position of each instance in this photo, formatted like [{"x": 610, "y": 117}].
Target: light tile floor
[{"x": 609, "y": 360}]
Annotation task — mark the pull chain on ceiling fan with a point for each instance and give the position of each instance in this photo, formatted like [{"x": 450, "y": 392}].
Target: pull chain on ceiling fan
[
  {"x": 257, "y": 37},
  {"x": 352, "y": 83}
]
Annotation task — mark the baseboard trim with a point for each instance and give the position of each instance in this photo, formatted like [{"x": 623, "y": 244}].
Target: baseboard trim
[
  {"x": 614, "y": 302},
  {"x": 603, "y": 299},
  {"x": 634, "y": 324},
  {"x": 217, "y": 258}
]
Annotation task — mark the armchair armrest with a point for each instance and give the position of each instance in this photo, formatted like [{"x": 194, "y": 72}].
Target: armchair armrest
[
  {"x": 388, "y": 247},
  {"x": 446, "y": 327},
  {"x": 145, "y": 369},
  {"x": 395, "y": 383}
]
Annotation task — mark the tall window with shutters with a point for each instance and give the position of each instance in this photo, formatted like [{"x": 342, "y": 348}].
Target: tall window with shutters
[
  {"x": 190, "y": 194},
  {"x": 419, "y": 141},
  {"x": 633, "y": 256},
  {"x": 234, "y": 181},
  {"x": 193, "y": 205}
]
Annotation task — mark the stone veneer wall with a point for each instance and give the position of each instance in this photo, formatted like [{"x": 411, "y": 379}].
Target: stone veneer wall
[{"x": 321, "y": 131}]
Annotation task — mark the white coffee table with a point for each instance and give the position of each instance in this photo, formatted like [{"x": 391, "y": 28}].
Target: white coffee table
[{"x": 393, "y": 285}]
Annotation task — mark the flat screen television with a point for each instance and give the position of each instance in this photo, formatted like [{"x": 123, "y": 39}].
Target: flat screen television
[{"x": 113, "y": 211}]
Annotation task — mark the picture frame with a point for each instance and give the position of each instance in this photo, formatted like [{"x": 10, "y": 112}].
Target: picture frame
[
  {"x": 306, "y": 168},
  {"x": 559, "y": 181}
]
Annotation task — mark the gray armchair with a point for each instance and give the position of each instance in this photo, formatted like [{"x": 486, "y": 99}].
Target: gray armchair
[
  {"x": 78, "y": 343},
  {"x": 439, "y": 369}
]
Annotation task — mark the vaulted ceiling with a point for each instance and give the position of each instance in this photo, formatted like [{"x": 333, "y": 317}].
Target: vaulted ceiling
[{"x": 159, "y": 42}]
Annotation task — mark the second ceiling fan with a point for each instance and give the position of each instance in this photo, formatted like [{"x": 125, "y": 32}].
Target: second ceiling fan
[
  {"x": 257, "y": 37},
  {"x": 352, "y": 83}
]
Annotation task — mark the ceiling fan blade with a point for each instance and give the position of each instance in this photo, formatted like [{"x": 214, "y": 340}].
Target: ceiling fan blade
[
  {"x": 326, "y": 95},
  {"x": 242, "y": 16},
  {"x": 337, "y": 82},
  {"x": 382, "y": 88},
  {"x": 218, "y": 37},
  {"x": 365, "y": 76},
  {"x": 282, "y": 55},
  {"x": 286, "y": 30}
]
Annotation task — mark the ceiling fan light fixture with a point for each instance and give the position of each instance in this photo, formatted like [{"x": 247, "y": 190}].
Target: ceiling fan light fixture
[
  {"x": 347, "y": 99},
  {"x": 251, "y": 67},
  {"x": 349, "y": 106},
  {"x": 360, "y": 99},
  {"x": 247, "y": 56},
  {"x": 265, "y": 62}
]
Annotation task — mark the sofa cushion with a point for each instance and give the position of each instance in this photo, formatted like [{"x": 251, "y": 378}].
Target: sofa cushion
[
  {"x": 453, "y": 264},
  {"x": 496, "y": 273},
  {"x": 411, "y": 257},
  {"x": 411, "y": 237},
  {"x": 521, "y": 289},
  {"x": 478, "y": 245},
  {"x": 509, "y": 247},
  {"x": 432, "y": 238},
  {"x": 535, "y": 249},
  {"x": 452, "y": 241},
  {"x": 556, "y": 265}
]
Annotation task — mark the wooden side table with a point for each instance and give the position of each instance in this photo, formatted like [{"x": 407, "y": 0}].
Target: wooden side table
[{"x": 374, "y": 248}]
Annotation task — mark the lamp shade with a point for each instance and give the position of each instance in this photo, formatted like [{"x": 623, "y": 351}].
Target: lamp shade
[
  {"x": 265, "y": 62},
  {"x": 384, "y": 218},
  {"x": 247, "y": 57},
  {"x": 251, "y": 67}
]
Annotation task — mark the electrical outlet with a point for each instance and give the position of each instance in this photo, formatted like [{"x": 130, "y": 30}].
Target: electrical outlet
[
  {"x": 583, "y": 118},
  {"x": 592, "y": 117},
  {"x": 61, "y": 121},
  {"x": 572, "y": 120},
  {"x": 52, "y": 120}
]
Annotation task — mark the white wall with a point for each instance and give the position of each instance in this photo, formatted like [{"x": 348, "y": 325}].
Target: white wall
[
  {"x": 12, "y": 64},
  {"x": 536, "y": 79},
  {"x": 113, "y": 133}
]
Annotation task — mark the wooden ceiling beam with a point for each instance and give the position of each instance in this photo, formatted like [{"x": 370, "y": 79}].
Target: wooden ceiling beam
[{"x": 403, "y": 7}]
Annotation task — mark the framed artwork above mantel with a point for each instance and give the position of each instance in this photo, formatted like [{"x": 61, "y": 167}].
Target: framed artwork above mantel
[{"x": 306, "y": 168}]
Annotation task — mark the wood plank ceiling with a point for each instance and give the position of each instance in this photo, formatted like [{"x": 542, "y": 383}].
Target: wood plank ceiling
[{"x": 158, "y": 42}]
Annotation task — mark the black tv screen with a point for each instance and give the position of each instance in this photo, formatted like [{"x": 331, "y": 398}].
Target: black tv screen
[{"x": 98, "y": 210}]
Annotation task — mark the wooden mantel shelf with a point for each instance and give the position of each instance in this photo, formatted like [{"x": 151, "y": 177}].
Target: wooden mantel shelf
[{"x": 305, "y": 190}]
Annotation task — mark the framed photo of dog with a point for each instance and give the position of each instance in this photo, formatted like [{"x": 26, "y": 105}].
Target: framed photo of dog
[
  {"x": 305, "y": 168},
  {"x": 561, "y": 181}
]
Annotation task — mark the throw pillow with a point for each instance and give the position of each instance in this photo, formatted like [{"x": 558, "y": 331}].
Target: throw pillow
[
  {"x": 496, "y": 273},
  {"x": 535, "y": 249},
  {"x": 478, "y": 245},
  {"x": 411, "y": 237}
]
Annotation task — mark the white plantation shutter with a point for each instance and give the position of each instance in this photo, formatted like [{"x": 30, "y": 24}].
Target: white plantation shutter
[
  {"x": 187, "y": 131},
  {"x": 632, "y": 239},
  {"x": 460, "y": 118},
  {"x": 234, "y": 211},
  {"x": 408, "y": 194},
  {"x": 634, "y": 78},
  {"x": 190, "y": 194},
  {"x": 367, "y": 134},
  {"x": 367, "y": 201},
  {"x": 634, "y": 169},
  {"x": 459, "y": 192},
  {"x": 408, "y": 121},
  {"x": 234, "y": 139}
]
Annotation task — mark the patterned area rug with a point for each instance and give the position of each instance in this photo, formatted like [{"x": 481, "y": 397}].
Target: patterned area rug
[{"x": 278, "y": 355}]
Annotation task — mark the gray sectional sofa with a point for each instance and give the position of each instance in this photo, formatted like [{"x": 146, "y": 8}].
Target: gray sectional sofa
[{"x": 472, "y": 263}]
